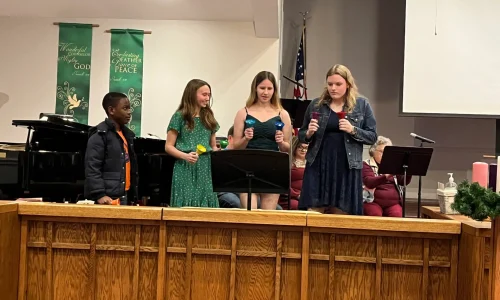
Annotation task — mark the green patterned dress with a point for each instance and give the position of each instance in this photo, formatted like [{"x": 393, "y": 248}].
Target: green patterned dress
[{"x": 192, "y": 183}]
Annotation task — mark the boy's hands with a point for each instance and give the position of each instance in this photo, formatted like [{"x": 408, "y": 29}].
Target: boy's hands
[{"x": 104, "y": 200}]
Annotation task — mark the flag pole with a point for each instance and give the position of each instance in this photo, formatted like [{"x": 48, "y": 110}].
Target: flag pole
[{"x": 304, "y": 14}]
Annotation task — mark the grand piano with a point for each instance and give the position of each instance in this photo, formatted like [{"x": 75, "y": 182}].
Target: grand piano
[{"x": 50, "y": 164}]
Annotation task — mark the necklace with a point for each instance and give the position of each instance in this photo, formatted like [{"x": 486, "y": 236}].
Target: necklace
[{"x": 299, "y": 163}]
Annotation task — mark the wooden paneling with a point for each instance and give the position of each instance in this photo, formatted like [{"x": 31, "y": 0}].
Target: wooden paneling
[
  {"x": 66, "y": 259},
  {"x": 494, "y": 275},
  {"x": 474, "y": 261},
  {"x": 382, "y": 263},
  {"x": 10, "y": 233},
  {"x": 228, "y": 263},
  {"x": 207, "y": 254}
]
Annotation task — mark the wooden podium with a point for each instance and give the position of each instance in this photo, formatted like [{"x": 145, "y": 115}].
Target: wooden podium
[
  {"x": 479, "y": 262},
  {"x": 68, "y": 251}
]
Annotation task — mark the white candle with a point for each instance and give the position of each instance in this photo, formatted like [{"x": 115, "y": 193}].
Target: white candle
[{"x": 498, "y": 174}]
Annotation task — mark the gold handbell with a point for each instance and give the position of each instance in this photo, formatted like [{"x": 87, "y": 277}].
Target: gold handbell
[{"x": 200, "y": 149}]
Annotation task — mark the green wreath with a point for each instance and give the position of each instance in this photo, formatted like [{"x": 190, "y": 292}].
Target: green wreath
[{"x": 477, "y": 202}]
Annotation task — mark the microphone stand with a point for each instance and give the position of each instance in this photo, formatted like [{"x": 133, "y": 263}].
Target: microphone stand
[{"x": 419, "y": 193}]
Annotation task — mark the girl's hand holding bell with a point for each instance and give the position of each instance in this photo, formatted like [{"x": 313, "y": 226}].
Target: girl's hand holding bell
[{"x": 313, "y": 127}]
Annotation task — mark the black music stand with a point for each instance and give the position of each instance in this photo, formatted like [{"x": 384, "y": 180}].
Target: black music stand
[
  {"x": 250, "y": 171},
  {"x": 405, "y": 161}
]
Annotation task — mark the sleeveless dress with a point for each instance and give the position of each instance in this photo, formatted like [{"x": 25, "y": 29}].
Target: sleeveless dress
[
  {"x": 192, "y": 183},
  {"x": 263, "y": 133},
  {"x": 328, "y": 181}
]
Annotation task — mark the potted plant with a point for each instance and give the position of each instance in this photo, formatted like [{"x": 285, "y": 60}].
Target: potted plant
[{"x": 480, "y": 203}]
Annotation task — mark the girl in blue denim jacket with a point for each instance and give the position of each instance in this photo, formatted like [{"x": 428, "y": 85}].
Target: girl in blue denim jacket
[{"x": 336, "y": 126}]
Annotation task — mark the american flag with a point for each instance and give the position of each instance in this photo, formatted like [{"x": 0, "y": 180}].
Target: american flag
[{"x": 300, "y": 69}]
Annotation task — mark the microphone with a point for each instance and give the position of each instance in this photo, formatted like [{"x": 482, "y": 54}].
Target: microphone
[{"x": 421, "y": 138}]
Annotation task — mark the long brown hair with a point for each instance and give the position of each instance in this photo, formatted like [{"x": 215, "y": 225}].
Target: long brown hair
[
  {"x": 189, "y": 103},
  {"x": 261, "y": 76},
  {"x": 351, "y": 92}
]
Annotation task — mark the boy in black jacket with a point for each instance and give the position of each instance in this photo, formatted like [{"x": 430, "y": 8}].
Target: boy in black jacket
[{"x": 110, "y": 160}]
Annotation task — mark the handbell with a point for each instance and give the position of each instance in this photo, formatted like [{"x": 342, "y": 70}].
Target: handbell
[
  {"x": 223, "y": 144},
  {"x": 200, "y": 149},
  {"x": 279, "y": 125},
  {"x": 250, "y": 122},
  {"x": 341, "y": 115}
]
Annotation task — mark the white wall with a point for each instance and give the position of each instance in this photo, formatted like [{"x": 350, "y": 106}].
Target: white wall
[
  {"x": 368, "y": 37},
  {"x": 437, "y": 34},
  {"x": 225, "y": 54}
]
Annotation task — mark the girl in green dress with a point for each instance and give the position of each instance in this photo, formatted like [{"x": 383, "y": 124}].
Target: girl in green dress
[{"x": 192, "y": 124}]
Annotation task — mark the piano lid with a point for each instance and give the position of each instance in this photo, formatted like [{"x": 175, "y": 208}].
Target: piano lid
[{"x": 53, "y": 122}]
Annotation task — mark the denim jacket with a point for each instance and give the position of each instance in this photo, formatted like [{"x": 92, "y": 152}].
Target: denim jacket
[{"x": 361, "y": 117}]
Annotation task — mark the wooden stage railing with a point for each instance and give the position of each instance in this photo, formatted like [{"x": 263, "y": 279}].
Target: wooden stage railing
[
  {"x": 101, "y": 252},
  {"x": 474, "y": 262},
  {"x": 9, "y": 250}
]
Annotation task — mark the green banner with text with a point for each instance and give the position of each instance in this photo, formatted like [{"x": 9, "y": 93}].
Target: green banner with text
[
  {"x": 126, "y": 66},
  {"x": 73, "y": 70}
]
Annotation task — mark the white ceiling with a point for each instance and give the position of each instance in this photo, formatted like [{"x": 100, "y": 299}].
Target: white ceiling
[{"x": 264, "y": 13}]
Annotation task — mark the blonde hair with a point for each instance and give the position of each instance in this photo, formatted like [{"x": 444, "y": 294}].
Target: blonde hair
[
  {"x": 261, "y": 76},
  {"x": 352, "y": 90}
]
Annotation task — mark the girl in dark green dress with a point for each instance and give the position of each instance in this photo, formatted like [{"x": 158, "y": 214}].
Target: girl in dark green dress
[
  {"x": 264, "y": 109},
  {"x": 191, "y": 125}
]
